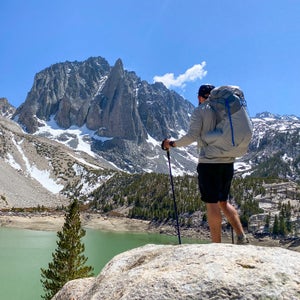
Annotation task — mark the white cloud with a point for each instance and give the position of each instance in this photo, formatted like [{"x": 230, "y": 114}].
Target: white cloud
[{"x": 191, "y": 74}]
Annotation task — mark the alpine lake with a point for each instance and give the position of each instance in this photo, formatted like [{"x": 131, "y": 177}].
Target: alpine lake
[{"x": 24, "y": 252}]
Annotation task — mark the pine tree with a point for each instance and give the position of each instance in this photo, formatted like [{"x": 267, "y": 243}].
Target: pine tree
[
  {"x": 267, "y": 224},
  {"x": 282, "y": 225},
  {"x": 276, "y": 226},
  {"x": 68, "y": 259}
]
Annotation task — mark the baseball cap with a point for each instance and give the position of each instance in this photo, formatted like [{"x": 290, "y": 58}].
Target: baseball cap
[{"x": 205, "y": 89}]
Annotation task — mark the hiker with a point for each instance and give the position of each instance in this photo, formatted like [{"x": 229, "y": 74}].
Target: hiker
[{"x": 215, "y": 173}]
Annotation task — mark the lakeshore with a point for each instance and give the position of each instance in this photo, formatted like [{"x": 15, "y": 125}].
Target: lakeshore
[{"x": 55, "y": 221}]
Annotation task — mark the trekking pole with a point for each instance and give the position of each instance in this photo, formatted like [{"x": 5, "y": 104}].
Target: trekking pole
[
  {"x": 174, "y": 199},
  {"x": 232, "y": 236}
]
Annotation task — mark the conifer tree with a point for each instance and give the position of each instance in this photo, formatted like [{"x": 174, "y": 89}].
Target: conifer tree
[
  {"x": 68, "y": 259},
  {"x": 267, "y": 224},
  {"x": 276, "y": 226},
  {"x": 282, "y": 225}
]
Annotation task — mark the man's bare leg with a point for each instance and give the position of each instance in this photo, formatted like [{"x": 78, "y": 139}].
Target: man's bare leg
[
  {"x": 214, "y": 218},
  {"x": 232, "y": 217}
]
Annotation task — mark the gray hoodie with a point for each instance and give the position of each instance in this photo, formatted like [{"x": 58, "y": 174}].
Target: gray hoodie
[{"x": 203, "y": 121}]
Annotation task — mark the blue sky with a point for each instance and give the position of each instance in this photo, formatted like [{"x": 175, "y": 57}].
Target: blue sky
[{"x": 254, "y": 44}]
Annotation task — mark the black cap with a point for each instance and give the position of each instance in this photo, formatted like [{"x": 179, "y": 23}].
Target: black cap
[{"x": 205, "y": 89}]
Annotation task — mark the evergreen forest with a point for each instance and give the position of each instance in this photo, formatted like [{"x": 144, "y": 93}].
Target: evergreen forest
[{"x": 149, "y": 197}]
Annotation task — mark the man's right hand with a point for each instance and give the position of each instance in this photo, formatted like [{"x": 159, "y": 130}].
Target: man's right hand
[{"x": 165, "y": 145}]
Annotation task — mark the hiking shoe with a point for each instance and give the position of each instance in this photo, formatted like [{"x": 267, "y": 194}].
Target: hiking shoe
[{"x": 242, "y": 240}]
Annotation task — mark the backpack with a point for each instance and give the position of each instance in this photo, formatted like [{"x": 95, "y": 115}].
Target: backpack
[{"x": 233, "y": 131}]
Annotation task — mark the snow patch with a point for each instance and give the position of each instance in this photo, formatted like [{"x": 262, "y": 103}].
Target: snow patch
[
  {"x": 82, "y": 134},
  {"x": 154, "y": 142},
  {"x": 101, "y": 85},
  {"x": 286, "y": 158},
  {"x": 81, "y": 160},
  {"x": 10, "y": 159},
  {"x": 181, "y": 133},
  {"x": 42, "y": 176}
]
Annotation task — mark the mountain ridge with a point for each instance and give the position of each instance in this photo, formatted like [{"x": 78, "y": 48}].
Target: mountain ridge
[
  {"x": 270, "y": 115},
  {"x": 123, "y": 111},
  {"x": 113, "y": 115}
]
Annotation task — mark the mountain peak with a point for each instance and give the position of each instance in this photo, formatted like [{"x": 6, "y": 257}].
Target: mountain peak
[
  {"x": 115, "y": 104},
  {"x": 119, "y": 63},
  {"x": 6, "y": 109},
  {"x": 268, "y": 115}
]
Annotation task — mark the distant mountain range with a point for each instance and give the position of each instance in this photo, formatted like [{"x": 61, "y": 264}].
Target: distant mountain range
[
  {"x": 87, "y": 119},
  {"x": 275, "y": 147},
  {"x": 268, "y": 115}
]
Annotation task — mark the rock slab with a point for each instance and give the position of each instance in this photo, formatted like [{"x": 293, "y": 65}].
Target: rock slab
[{"x": 193, "y": 271}]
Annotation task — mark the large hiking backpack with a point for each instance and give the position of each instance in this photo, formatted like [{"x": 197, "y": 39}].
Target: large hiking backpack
[{"x": 234, "y": 130}]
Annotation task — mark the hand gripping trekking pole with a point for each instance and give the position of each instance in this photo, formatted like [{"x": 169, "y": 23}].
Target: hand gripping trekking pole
[{"x": 174, "y": 199}]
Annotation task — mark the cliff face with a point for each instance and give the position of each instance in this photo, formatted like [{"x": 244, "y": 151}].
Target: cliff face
[
  {"x": 64, "y": 90},
  {"x": 109, "y": 100},
  {"x": 209, "y": 271},
  {"x": 122, "y": 111}
]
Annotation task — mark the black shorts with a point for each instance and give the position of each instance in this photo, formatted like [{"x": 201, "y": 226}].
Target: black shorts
[{"x": 214, "y": 181}]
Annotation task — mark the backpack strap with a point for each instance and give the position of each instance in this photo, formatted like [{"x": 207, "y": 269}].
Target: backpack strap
[{"x": 230, "y": 121}]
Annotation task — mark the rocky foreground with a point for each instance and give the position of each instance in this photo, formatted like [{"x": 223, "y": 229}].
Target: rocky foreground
[{"x": 203, "y": 271}]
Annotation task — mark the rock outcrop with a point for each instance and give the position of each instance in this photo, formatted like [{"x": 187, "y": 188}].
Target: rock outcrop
[
  {"x": 6, "y": 109},
  {"x": 193, "y": 271}
]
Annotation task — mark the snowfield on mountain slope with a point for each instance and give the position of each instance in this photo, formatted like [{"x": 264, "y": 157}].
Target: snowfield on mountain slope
[{"x": 17, "y": 190}]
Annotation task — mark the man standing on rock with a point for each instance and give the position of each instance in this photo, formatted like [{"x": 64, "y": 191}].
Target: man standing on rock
[{"x": 214, "y": 174}]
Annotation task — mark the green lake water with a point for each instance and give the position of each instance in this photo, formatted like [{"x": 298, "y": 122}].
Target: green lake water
[{"x": 24, "y": 252}]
